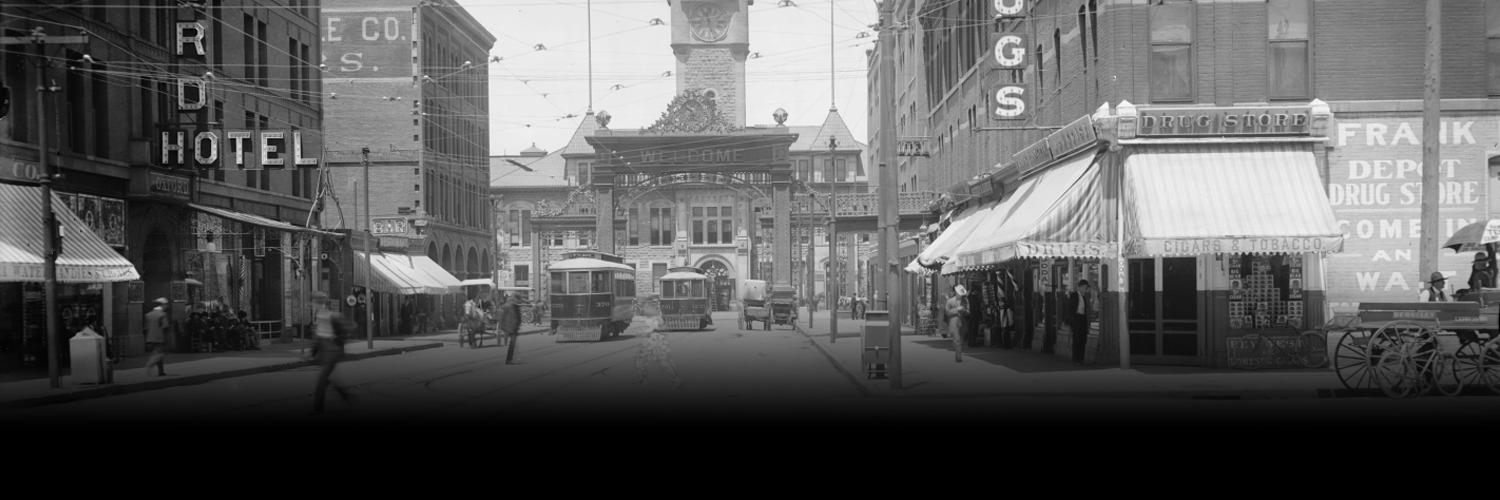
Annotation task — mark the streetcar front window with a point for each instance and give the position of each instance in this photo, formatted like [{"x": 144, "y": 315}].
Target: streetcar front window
[
  {"x": 668, "y": 291},
  {"x": 559, "y": 284},
  {"x": 697, "y": 289},
  {"x": 578, "y": 282}
]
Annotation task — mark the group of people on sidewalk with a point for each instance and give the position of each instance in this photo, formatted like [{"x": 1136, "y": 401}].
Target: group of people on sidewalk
[{"x": 1080, "y": 302}]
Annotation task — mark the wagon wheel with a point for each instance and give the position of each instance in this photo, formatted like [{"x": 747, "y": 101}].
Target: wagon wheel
[
  {"x": 1489, "y": 365},
  {"x": 1466, "y": 365},
  {"x": 1389, "y": 372},
  {"x": 1352, "y": 360},
  {"x": 1313, "y": 349}
]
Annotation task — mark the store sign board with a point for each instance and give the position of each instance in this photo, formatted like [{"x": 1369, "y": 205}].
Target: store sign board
[
  {"x": 1011, "y": 101},
  {"x": 1031, "y": 158},
  {"x": 1190, "y": 122},
  {"x": 380, "y": 226},
  {"x": 164, "y": 185},
  {"x": 1266, "y": 351},
  {"x": 1009, "y": 9},
  {"x": 1008, "y": 51},
  {"x": 1077, "y": 135},
  {"x": 1199, "y": 246},
  {"x": 19, "y": 166}
]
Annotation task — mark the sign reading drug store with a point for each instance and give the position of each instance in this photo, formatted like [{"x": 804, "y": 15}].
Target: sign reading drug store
[{"x": 212, "y": 148}]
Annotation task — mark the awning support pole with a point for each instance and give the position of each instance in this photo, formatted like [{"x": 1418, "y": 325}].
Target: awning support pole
[{"x": 1121, "y": 267}]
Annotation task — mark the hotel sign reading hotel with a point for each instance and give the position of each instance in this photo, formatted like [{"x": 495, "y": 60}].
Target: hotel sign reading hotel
[
  {"x": 206, "y": 147},
  {"x": 1223, "y": 121}
]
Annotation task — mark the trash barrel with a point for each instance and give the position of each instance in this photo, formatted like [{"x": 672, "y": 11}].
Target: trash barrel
[
  {"x": 87, "y": 354},
  {"x": 875, "y": 343}
]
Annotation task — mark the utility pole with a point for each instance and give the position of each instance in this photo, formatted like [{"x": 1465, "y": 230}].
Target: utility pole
[
  {"x": 369, "y": 295},
  {"x": 1431, "y": 135},
  {"x": 890, "y": 216},
  {"x": 52, "y": 244},
  {"x": 828, "y": 282},
  {"x": 812, "y": 258}
]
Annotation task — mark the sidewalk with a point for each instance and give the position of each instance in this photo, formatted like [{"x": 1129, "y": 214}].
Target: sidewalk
[
  {"x": 930, "y": 372},
  {"x": 451, "y": 336},
  {"x": 30, "y": 388}
]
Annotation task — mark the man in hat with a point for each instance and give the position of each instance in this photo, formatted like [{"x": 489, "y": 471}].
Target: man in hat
[
  {"x": 1482, "y": 275},
  {"x": 157, "y": 324},
  {"x": 1437, "y": 289},
  {"x": 958, "y": 316}
]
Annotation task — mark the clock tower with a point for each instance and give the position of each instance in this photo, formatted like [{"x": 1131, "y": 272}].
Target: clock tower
[{"x": 711, "y": 39}]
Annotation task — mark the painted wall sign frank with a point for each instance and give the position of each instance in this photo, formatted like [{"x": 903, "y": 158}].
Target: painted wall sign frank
[{"x": 1224, "y": 121}]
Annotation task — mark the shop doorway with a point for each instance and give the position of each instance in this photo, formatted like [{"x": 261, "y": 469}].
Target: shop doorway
[{"x": 1165, "y": 325}]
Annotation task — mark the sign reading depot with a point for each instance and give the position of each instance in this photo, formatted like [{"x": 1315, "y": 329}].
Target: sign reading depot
[{"x": 1375, "y": 187}]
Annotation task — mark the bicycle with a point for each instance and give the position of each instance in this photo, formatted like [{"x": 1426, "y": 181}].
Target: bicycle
[
  {"x": 1311, "y": 345},
  {"x": 1411, "y": 362}
]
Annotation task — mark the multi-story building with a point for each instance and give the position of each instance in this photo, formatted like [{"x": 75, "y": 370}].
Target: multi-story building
[
  {"x": 409, "y": 91},
  {"x": 721, "y": 228},
  {"x": 1133, "y": 71},
  {"x": 187, "y": 139}
]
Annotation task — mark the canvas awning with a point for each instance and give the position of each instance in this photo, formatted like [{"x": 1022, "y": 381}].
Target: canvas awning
[
  {"x": 436, "y": 272},
  {"x": 392, "y": 275},
  {"x": 257, "y": 220},
  {"x": 1226, "y": 198},
  {"x": 85, "y": 257},
  {"x": 1054, "y": 214},
  {"x": 942, "y": 248}
]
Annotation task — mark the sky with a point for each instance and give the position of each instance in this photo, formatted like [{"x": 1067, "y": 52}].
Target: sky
[{"x": 531, "y": 91}]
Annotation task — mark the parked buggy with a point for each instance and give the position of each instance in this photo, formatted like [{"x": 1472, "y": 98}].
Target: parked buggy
[{"x": 754, "y": 306}]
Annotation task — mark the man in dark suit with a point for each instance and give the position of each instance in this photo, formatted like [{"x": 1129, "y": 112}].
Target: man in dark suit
[{"x": 1080, "y": 302}]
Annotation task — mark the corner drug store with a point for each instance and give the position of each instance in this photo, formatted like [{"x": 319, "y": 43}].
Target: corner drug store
[{"x": 1224, "y": 233}]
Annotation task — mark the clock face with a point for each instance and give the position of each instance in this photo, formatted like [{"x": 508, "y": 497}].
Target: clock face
[{"x": 710, "y": 22}]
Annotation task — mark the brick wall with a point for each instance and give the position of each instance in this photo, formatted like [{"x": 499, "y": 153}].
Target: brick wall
[{"x": 716, "y": 68}]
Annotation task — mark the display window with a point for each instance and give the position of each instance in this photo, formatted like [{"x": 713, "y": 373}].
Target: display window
[{"x": 1265, "y": 291}]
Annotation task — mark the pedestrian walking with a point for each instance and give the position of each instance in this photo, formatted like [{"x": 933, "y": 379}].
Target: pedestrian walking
[
  {"x": 1080, "y": 302},
  {"x": 654, "y": 348},
  {"x": 157, "y": 326},
  {"x": 1437, "y": 289},
  {"x": 510, "y": 326},
  {"x": 958, "y": 315},
  {"x": 332, "y": 330},
  {"x": 406, "y": 315}
]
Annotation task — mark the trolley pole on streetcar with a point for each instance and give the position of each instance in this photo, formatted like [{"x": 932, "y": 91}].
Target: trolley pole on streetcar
[{"x": 889, "y": 215}]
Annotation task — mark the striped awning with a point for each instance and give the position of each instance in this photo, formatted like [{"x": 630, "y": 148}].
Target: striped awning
[
  {"x": 1227, "y": 198},
  {"x": 1057, "y": 213},
  {"x": 257, "y": 220},
  {"x": 392, "y": 275},
  {"x": 85, "y": 258},
  {"x": 439, "y": 276},
  {"x": 942, "y": 248}
]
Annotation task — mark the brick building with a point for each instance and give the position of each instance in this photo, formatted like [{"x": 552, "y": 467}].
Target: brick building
[
  {"x": 409, "y": 82},
  {"x": 164, "y": 150},
  {"x": 1176, "y": 58}
]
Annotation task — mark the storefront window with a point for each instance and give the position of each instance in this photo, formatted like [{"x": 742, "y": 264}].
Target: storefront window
[
  {"x": 1265, "y": 291},
  {"x": 1179, "y": 290},
  {"x": 1142, "y": 289}
]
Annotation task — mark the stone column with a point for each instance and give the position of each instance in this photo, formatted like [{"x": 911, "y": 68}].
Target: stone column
[{"x": 604, "y": 233}]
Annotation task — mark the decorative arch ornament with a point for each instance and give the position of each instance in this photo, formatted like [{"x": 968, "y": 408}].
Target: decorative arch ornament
[{"x": 692, "y": 112}]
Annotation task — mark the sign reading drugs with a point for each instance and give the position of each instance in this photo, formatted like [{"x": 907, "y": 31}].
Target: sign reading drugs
[
  {"x": 1010, "y": 101},
  {"x": 1008, "y": 9},
  {"x": 1008, "y": 51}
]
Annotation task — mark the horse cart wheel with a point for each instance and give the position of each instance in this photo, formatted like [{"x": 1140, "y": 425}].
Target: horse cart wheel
[
  {"x": 1352, "y": 361},
  {"x": 1489, "y": 365},
  {"x": 1468, "y": 365}
]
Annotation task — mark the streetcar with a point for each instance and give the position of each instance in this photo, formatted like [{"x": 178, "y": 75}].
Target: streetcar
[
  {"x": 684, "y": 299},
  {"x": 592, "y": 296}
]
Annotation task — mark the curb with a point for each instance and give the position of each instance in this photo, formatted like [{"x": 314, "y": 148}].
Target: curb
[
  {"x": 151, "y": 385},
  {"x": 1219, "y": 395}
]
